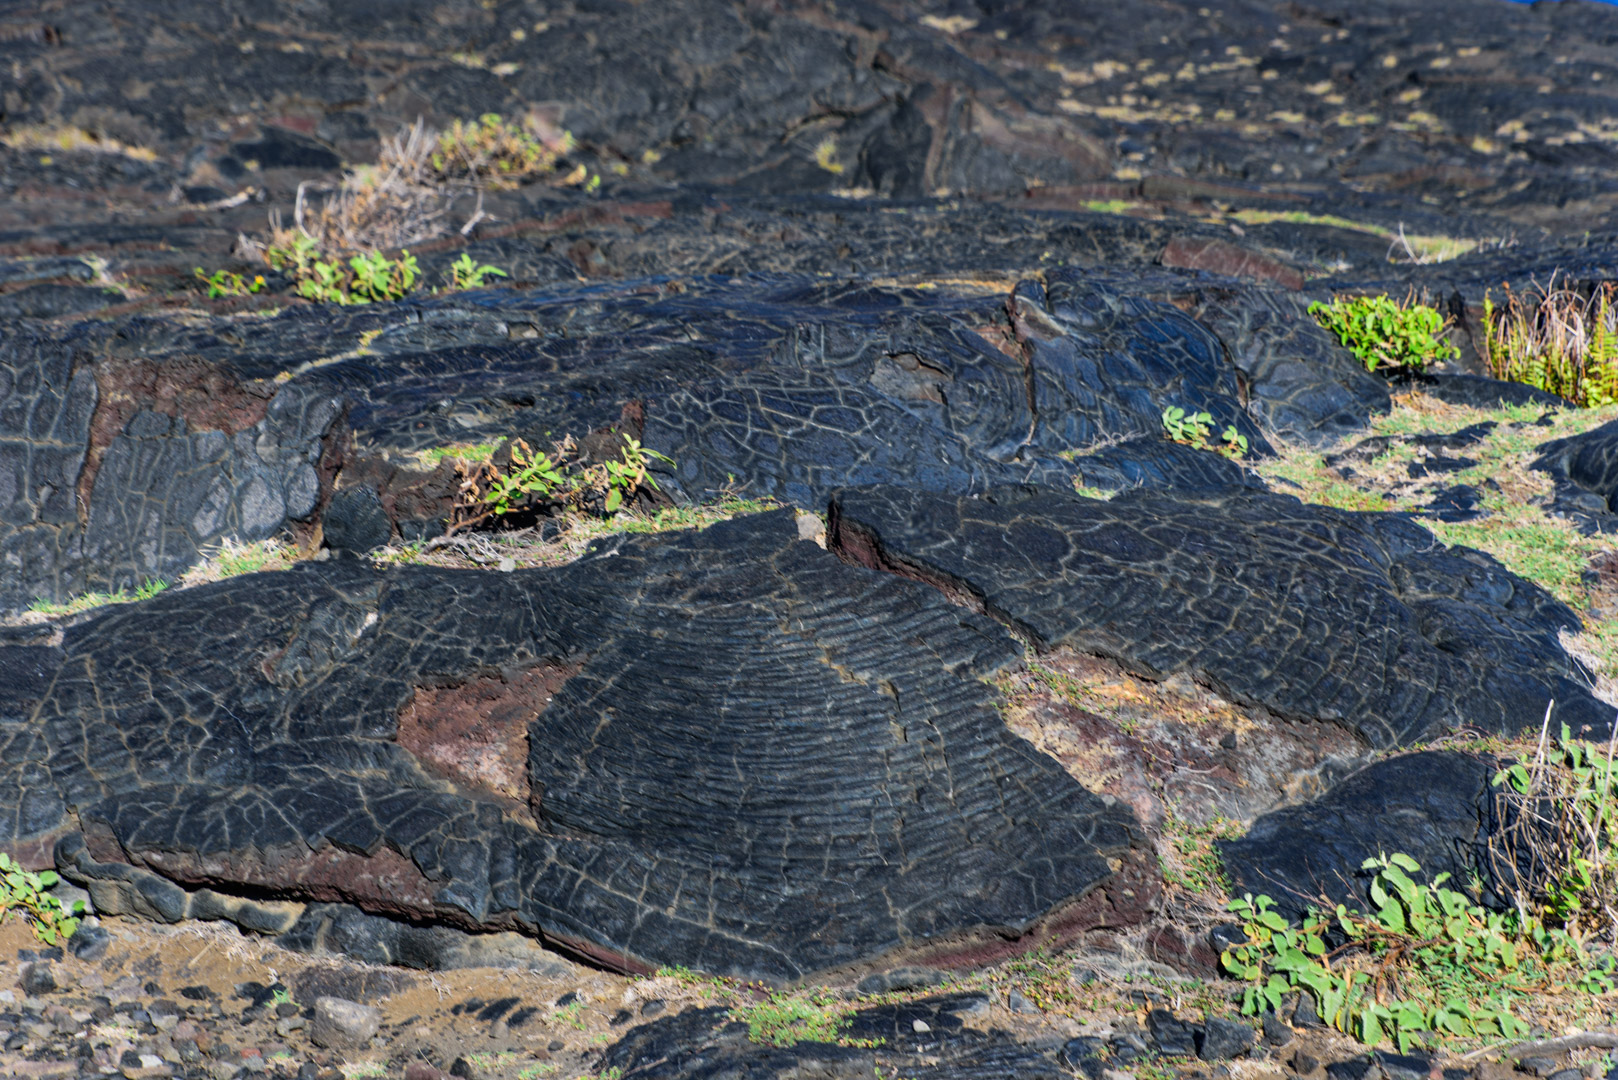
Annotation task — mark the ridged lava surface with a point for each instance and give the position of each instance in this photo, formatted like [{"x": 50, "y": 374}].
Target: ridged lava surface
[
  {"x": 1316, "y": 614},
  {"x": 757, "y": 759}
]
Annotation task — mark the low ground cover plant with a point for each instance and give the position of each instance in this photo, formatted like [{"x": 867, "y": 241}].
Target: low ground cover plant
[
  {"x": 1386, "y": 334},
  {"x": 336, "y": 249},
  {"x": 360, "y": 279},
  {"x": 1556, "y": 339},
  {"x": 1427, "y": 965},
  {"x": 27, "y": 893},
  {"x": 90, "y": 600},
  {"x": 500, "y": 152},
  {"x": 1430, "y": 963}
]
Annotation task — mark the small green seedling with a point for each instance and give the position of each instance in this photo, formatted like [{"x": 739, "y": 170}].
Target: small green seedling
[
  {"x": 224, "y": 283},
  {"x": 464, "y": 273},
  {"x": 1193, "y": 429}
]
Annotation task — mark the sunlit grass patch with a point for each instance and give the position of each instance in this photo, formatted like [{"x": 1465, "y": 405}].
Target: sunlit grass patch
[
  {"x": 1421, "y": 249},
  {"x": 233, "y": 558},
  {"x": 98, "y": 599}
]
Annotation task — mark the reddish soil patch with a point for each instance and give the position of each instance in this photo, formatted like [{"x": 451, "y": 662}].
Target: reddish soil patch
[
  {"x": 1223, "y": 257},
  {"x": 476, "y": 733},
  {"x": 207, "y": 398}
]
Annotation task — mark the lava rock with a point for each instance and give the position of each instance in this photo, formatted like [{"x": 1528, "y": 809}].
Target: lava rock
[
  {"x": 1173, "y": 1036},
  {"x": 343, "y": 1024},
  {"x": 1222, "y": 1040},
  {"x": 37, "y": 979},
  {"x": 378, "y": 693},
  {"x": 1386, "y": 633}
]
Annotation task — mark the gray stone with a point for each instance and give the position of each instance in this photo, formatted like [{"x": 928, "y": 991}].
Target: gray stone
[
  {"x": 1017, "y": 1003},
  {"x": 343, "y": 1024},
  {"x": 1222, "y": 1040},
  {"x": 37, "y": 978}
]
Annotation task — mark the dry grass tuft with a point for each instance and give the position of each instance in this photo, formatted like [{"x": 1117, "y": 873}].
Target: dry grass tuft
[
  {"x": 56, "y": 139},
  {"x": 1557, "y": 339},
  {"x": 385, "y": 206}
]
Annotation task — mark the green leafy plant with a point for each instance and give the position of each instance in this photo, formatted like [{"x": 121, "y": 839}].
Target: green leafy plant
[
  {"x": 464, "y": 273},
  {"x": 224, "y": 283},
  {"x": 1556, "y": 340},
  {"x": 1427, "y": 965},
  {"x": 534, "y": 479},
  {"x": 377, "y": 277},
  {"x": 27, "y": 892},
  {"x": 1193, "y": 429},
  {"x": 1386, "y": 334},
  {"x": 364, "y": 278}
]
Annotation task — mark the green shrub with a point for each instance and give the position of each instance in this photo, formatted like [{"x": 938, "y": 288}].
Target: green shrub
[
  {"x": 464, "y": 273},
  {"x": 498, "y": 152},
  {"x": 224, "y": 283},
  {"x": 25, "y": 891},
  {"x": 1556, "y": 340},
  {"x": 1386, "y": 334},
  {"x": 362, "y": 279}
]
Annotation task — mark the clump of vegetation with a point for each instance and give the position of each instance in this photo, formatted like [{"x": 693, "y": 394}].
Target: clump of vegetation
[
  {"x": 783, "y": 1019},
  {"x": 1193, "y": 429},
  {"x": 1386, "y": 334},
  {"x": 99, "y": 599},
  {"x": 57, "y": 139},
  {"x": 1556, "y": 340},
  {"x": 1556, "y": 852},
  {"x": 1195, "y": 864},
  {"x": 465, "y": 273},
  {"x": 224, "y": 283},
  {"x": 522, "y": 478},
  {"x": 501, "y": 153},
  {"x": 29, "y": 893},
  {"x": 1427, "y": 965},
  {"x": 361, "y": 279}
]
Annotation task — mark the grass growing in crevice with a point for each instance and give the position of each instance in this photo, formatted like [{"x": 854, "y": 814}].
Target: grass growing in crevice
[
  {"x": 527, "y": 548},
  {"x": 92, "y": 600},
  {"x": 232, "y": 558}
]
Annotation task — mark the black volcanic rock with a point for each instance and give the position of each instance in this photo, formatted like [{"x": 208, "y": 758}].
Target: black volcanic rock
[
  {"x": 699, "y": 1044},
  {"x": 1435, "y": 806},
  {"x": 742, "y": 761},
  {"x": 1585, "y": 470},
  {"x": 173, "y": 438},
  {"x": 1316, "y": 614}
]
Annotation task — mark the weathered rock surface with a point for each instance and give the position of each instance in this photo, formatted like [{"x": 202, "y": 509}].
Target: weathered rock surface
[
  {"x": 1436, "y": 806},
  {"x": 1585, "y": 469},
  {"x": 833, "y": 244},
  {"x": 1317, "y": 614},
  {"x": 744, "y": 759}
]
